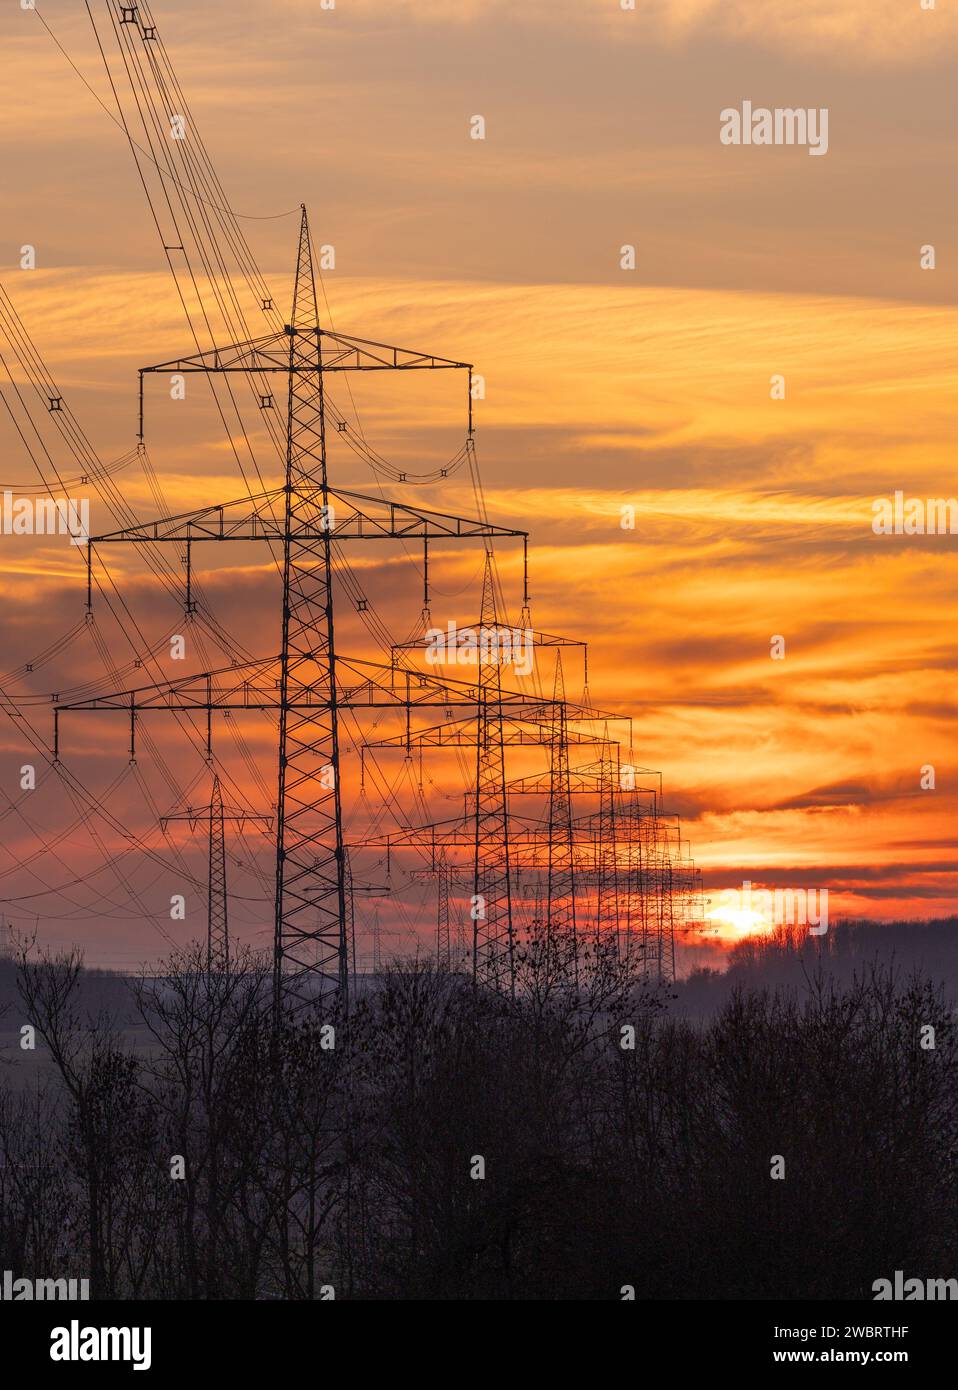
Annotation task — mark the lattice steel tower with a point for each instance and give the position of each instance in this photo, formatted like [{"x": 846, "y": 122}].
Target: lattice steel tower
[
  {"x": 312, "y": 917},
  {"x": 493, "y": 944}
]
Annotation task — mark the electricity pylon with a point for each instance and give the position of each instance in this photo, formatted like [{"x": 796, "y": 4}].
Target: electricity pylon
[
  {"x": 492, "y": 933},
  {"x": 311, "y": 932},
  {"x": 217, "y": 916},
  {"x": 560, "y": 894},
  {"x": 607, "y": 848},
  {"x": 218, "y": 932},
  {"x": 443, "y": 944},
  {"x": 500, "y": 725}
]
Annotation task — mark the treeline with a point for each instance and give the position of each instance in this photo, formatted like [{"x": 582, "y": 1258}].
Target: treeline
[
  {"x": 442, "y": 1143},
  {"x": 787, "y": 955}
]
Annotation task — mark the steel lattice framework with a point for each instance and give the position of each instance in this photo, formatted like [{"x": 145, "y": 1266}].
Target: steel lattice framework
[
  {"x": 311, "y": 913},
  {"x": 560, "y": 889},
  {"x": 493, "y": 940},
  {"x": 217, "y": 925},
  {"x": 216, "y": 816}
]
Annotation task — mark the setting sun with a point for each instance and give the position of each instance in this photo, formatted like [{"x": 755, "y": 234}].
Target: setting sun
[{"x": 732, "y": 922}]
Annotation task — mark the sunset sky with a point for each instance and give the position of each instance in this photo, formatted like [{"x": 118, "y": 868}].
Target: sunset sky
[{"x": 604, "y": 388}]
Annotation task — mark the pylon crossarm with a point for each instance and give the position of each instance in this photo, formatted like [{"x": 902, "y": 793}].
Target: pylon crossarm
[
  {"x": 373, "y": 354},
  {"x": 388, "y": 518},
  {"x": 190, "y": 695},
  {"x": 194, "y": 692},
  {"x": 349, "y": 516},
  {"x": 534, "y": 637},
  {"x": 207, "y": 523},
  {"x": 256, "y": 686},
  {"x": 264, "y": 354},
  {"x": 435, "y": 833},
  {"x": 339, "y": 353},
  {"x": 580, "y": 715},
  {"x": 532, "y": 847},
  {"x": 242, "y": 687},
  {"x": 580, "y": 780},
  {"x": 380, "y": 683},
  {"x": 461, "y": 733}
]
